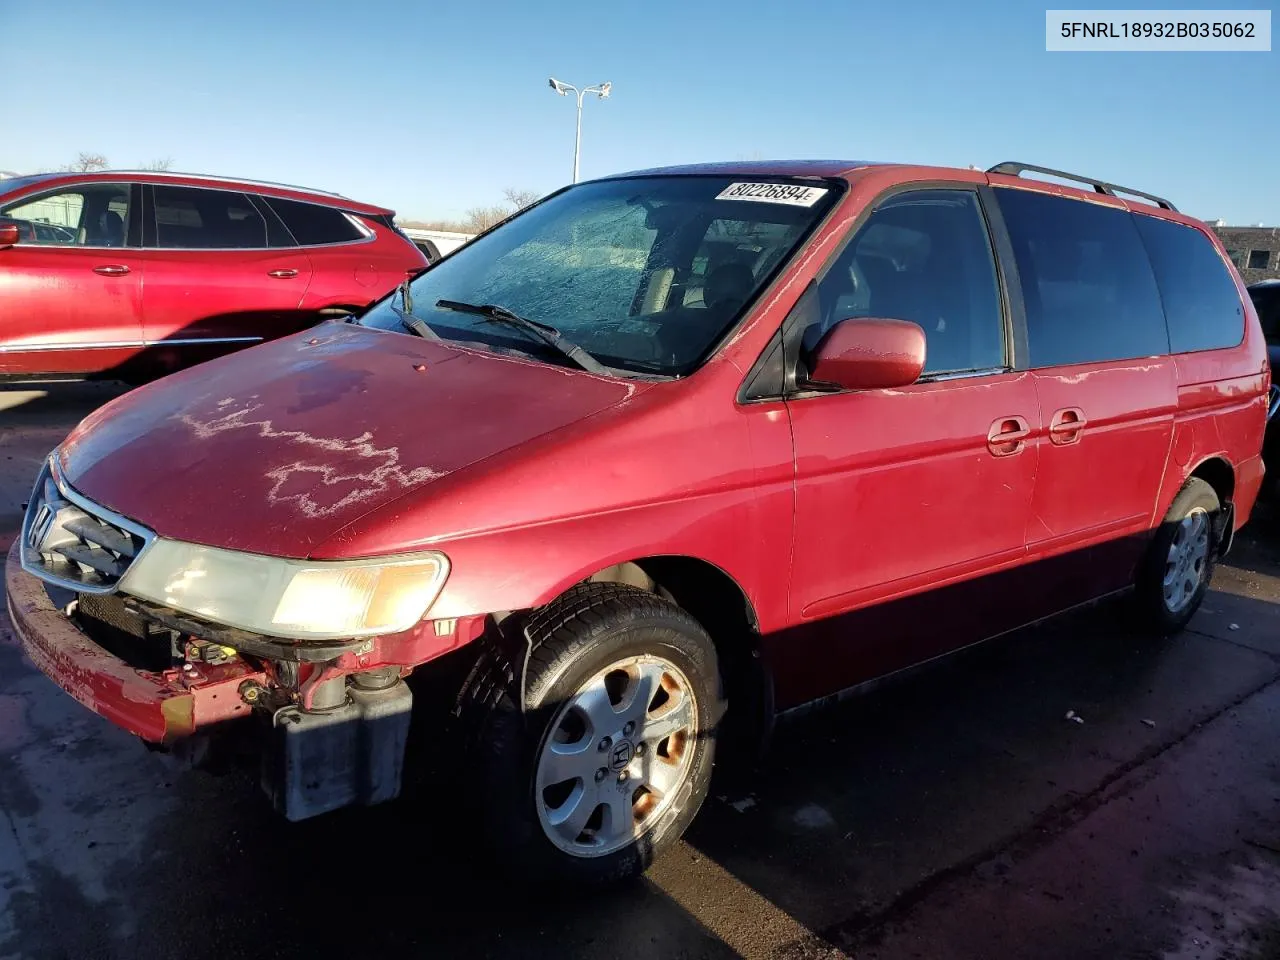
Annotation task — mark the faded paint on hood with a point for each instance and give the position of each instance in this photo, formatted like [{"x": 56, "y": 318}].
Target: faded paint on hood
[{"x": 273, "y": 449}]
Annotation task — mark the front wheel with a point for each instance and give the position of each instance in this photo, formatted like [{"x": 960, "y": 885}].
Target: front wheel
[
  {"x": 596, "y": 756},
  {"x": 1179, "y": 562}
]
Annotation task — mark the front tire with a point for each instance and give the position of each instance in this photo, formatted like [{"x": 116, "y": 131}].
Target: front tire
[
  {"x": 595, "y": 756},
  {"x": 1180, "y": 559}
]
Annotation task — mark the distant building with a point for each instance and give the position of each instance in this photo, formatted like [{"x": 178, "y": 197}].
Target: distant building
[{"x": 1254, "y": 250}]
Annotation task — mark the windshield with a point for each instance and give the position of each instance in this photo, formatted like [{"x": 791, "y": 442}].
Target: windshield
[{"x": 644, "y": 274}]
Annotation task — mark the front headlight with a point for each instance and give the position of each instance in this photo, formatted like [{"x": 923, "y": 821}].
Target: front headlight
[{"x": 302, "y": 599}]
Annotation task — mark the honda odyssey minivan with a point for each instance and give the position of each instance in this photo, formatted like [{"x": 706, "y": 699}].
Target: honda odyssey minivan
[{"x": 660, "y": 458}]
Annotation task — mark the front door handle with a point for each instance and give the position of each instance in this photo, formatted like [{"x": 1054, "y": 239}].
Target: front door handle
[
  {"x": 112, "y": 269},
  {"x": 286, "y": 274},
  {"x": 1066, "y": 426},
  {"x": 1008, "y": 436}
]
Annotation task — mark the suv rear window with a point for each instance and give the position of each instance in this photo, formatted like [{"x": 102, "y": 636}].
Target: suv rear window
[
  {"x": 314, "y": 225},
  {"x": 1089, "y": 289},
  {"x": 1201, "y": 302}
]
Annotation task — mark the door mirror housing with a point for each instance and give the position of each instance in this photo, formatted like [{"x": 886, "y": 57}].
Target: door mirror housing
[
  {"x": 9, "y": 235},
  {"x": 869, "y": 353}
]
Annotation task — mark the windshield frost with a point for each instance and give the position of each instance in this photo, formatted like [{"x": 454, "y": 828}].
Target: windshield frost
[{"x": 644, "y": 274}]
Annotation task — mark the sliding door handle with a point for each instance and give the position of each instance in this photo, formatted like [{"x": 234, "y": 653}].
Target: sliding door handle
[
  {"x": 1066, "y": 426},
  {"x": 1007, "y": 436}
]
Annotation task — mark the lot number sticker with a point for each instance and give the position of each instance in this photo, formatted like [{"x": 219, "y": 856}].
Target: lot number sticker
[{"x": 788, "y": 193}]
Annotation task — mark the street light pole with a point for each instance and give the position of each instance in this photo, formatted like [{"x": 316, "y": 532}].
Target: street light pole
[
  {"x": 600, "y": 90},
  {"x": 577, "y": 138}
]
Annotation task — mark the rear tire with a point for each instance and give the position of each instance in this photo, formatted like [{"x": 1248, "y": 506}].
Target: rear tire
[
  {"x": 1178, "y": 567},
  {"x": 597, "y": 762}
]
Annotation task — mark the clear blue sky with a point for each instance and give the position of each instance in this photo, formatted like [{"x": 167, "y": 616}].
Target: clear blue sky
[{"x": 432, "y": 107}]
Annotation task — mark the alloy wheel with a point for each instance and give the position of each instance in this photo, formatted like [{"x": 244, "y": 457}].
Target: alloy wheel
[
  {"x": 617, "y": 756},
  {"x": 1188, "y": 560}
]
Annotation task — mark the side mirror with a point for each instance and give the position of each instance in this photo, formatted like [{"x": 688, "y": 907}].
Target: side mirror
[
  {"x": 869, "y": 354},
  {"x": 9, "y": 235}
]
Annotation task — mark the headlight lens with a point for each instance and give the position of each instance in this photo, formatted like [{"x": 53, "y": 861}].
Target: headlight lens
[{"x": 321, "y": 600}]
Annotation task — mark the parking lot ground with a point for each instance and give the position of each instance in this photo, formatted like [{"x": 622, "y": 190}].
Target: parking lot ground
[{"x": 952, "y": 813}]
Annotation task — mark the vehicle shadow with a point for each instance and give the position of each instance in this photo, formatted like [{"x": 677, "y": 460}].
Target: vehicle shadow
[
  {"x": 1255, "y": 547},
  {"x": 862, "y": 810}
]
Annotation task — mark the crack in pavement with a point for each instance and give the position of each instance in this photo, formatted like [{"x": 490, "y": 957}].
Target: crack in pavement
[{"x": 1235, "y": 643}]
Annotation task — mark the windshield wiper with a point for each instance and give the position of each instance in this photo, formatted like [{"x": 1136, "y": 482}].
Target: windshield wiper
[
  {"x": 543, "y": 331},
  {"x": 411, "y": 323}
]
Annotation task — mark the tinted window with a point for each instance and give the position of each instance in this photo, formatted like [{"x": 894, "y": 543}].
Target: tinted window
[
  {"x": 1086, "y": 280},
  {"x": 611, "y": 265},
  {"x": 924, "y": 257},
  {"x": 190, "y": 218},
  {"x": 91, "y": 215},
  {"x": 1201, "y": 303},
  {"x": 312, "y": 224}
]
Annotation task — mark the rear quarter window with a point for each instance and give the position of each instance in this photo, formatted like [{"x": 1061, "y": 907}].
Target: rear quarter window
[
  {"x": 313, "y": 224},
  {"x": 1201, "y": 302},
  {"x": 1088, "y": 286}
]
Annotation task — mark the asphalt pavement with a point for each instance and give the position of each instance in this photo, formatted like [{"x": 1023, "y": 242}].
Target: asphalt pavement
[{"x": 953, "y": 813}]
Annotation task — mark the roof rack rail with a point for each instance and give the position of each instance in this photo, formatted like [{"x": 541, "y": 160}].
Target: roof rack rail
[{"x": 1013, "y": 168}]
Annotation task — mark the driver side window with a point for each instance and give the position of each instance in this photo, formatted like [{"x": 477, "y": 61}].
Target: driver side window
[
  {"x": 926, "y": 257},
  {"x": 92, "y": 215}
]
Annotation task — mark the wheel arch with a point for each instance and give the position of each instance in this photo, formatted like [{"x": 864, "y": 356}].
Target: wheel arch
[
  {"x": 1218, "y": 472},
  {"x": 717, "y": 601}
]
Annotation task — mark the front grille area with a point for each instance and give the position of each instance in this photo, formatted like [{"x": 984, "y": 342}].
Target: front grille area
[{"x": 72, "y": 542}]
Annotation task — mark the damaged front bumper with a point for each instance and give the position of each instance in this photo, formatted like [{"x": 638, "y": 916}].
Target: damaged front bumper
[
  {"x": 336, "y": 739},
  {"x": 159, "y": 707}
]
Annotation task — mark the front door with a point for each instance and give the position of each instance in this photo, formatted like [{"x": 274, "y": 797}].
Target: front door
[
  {"x": 221, "y": 275},
  {"x": 70, "y": 290},
  {"x": 901, "y": 491}
]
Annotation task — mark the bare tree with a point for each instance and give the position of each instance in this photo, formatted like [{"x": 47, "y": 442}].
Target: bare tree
[
  {"x": 521, "y": 198},
  {"x": 88, "y": 162},
  {"x": 479, "y": 219},
  {"x": 164, "y": 163}
]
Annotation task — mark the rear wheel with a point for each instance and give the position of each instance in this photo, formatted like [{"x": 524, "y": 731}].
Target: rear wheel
[
  {"x": 595, "y": 757},
  {"x": 1180, "y": 559}
]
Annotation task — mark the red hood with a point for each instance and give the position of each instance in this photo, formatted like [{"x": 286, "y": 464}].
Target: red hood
[{"x": 273, "y": 449}]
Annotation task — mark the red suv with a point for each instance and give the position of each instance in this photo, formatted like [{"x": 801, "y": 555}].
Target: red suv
[
  {"x": 663, "y": 456},
  {"x": 133, "y": 274}
]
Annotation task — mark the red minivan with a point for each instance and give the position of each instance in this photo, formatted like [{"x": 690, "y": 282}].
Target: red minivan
[
  {"x": 135, "y": 274},
  {"x": 658, "y": 459}
]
